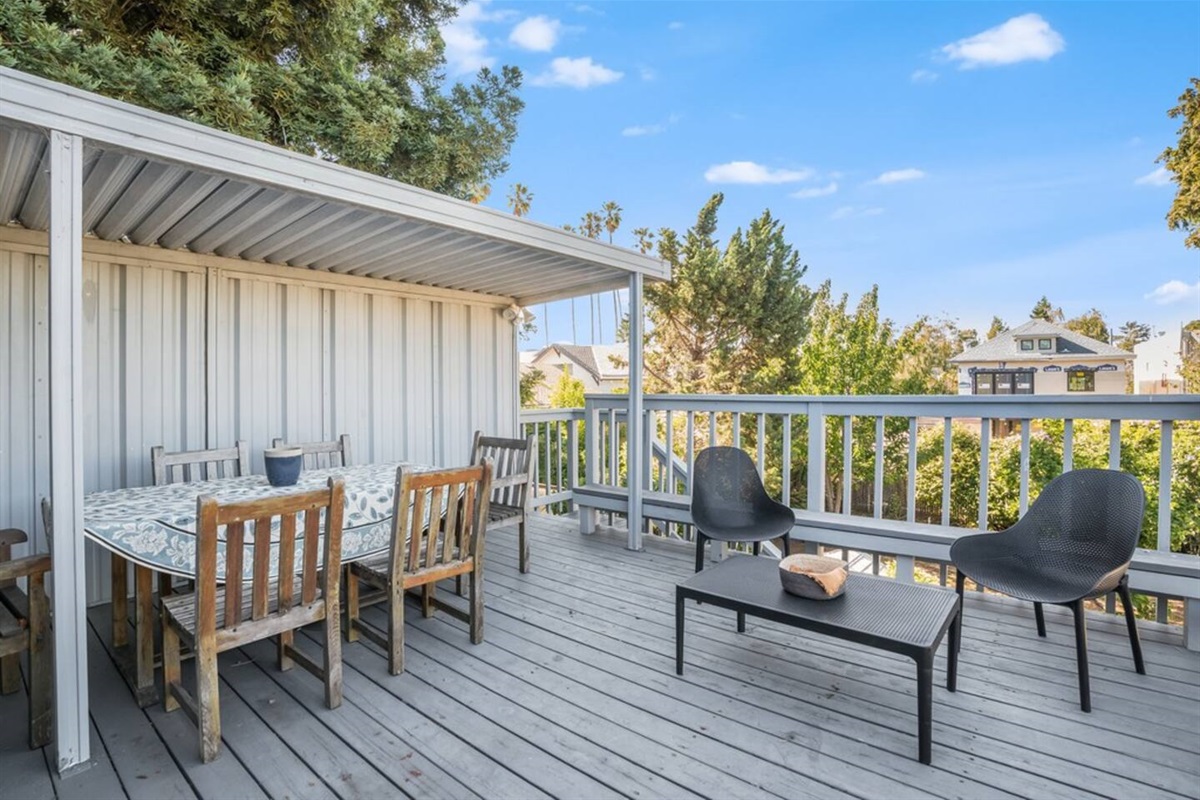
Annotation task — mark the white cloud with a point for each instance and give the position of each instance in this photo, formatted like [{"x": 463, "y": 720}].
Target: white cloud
[
  {"x": 586, "y": 9},
  {"x": 816, "y": 191},
  {"x": 900, "y": 176},
  {"x": 750, "y": 172},
  {"x": 1175, "y": 291},
  {"x": 923, "y": 76},
  {"x": 538, "y": 34},
  {"x": 576, "y": 73},
  {"x": 674, "y": 26},
  {"x": 651, "y": 130},
  {"x": 644, "y": 130},
  {"x": 855, "y": 212},
  {"x": 1160, "y": 177},
  {"x": 466, "y": 46},
  {"x": 647, "y": 74},
  {"x": 1024, "y": 38}
]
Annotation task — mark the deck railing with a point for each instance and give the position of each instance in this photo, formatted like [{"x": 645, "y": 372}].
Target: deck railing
[{"x": 858, "y": 456}]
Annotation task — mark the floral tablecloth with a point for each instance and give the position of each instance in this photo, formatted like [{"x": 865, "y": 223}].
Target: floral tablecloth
[{"x": 155, "y": 526}]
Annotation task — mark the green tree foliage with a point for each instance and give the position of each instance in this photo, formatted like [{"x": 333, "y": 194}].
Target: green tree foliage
[
  {"x": 1132, "y": 333},
  {"x": 730, "y": 318},
  {"x": 645, "y": 239},
  {"x": 998, "y": 327},
  {"x": 1090, "y": 323},
  {"x": 1184, "y": 161},
  {"x": 528, "y": 386},
  {"x": 610, "y": 213},
  {"x": 1190, "y": 369},
  {"x": 1140, "y": 442},
  {"x": 567, "y": 392},
  {"x": 359, "y": 82},
  {"x": 1044, "y": 310},
  {"x": 848, "y": 352},
  {"x": 926, "y": 347}
]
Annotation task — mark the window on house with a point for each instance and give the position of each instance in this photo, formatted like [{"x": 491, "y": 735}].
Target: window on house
[
  {"x": 1043, "y": 344},
  {"x": 1080, "y": 380},
  {"x": 1027, "y": 344},
  {"x": 1024, "y": 383},
  {"x": 983, "y": 383},
  {"x": 1003, "y": 383}
]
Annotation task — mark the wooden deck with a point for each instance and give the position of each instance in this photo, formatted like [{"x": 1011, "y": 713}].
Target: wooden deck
[{"x": 574, "y": 695}]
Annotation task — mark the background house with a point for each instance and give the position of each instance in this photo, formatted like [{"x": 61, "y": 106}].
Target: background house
[
  {"x": 1042, "y": 358},
  {"x": 600, "y": 367},
  {"x": 1158, "y": 363}
]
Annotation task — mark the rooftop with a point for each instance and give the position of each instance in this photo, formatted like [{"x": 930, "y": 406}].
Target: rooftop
[
  {"x": 1004, "y": 347},
  {"x": 573, "y": 694}
]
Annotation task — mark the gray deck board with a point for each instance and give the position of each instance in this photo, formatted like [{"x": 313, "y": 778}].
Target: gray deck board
[{"x": 573, "y": 694}]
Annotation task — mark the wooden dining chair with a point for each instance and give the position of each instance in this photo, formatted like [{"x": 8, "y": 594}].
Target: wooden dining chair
[
  {"x": 189, "y": 466},
  {"x": 322, "y": 455},
  {"x": 214, "y": 619},
  {"x": 515, "y": 463},
  {"x": 185, "y": 466},
  {"x": 25, "y": 626},
  {"x": 438, "y": 526}
]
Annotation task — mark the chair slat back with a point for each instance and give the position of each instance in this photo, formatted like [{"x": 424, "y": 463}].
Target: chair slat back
[
  {"x": 514, "y": 463},
  {"x": 440, "y": 517},
  {"x": 322, "y": 455},
  {"x": 271, "y": 524},
  {"x": 188, "y": 466}
]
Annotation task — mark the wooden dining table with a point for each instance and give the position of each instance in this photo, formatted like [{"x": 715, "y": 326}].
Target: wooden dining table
[{"x": 154, "y": 527}]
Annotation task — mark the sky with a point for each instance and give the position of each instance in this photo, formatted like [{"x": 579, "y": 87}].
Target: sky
[{"x": 966, "y": 157}]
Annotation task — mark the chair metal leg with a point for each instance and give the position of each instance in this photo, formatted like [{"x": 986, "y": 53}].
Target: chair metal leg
[
  {"x": 1041, "y": 619},
  {"x": 700, "y": 537},
  {"x": 1085, "y": 687},
  {"x": 1135, "y": 641}
]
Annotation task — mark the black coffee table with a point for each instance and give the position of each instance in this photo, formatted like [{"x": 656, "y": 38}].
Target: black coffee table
[{"x": 903, "y": 618}]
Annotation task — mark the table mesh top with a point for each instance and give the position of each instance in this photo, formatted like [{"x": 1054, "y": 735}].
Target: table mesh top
[{"x": 883, "y": 607}]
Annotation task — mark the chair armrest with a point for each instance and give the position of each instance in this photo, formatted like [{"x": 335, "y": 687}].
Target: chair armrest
[
  {"x": 24, "y": 567},
  {"x": 11, "y": 536}
]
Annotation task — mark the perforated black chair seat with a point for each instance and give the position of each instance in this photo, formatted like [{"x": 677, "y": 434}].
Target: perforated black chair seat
[
  {"x": 1075, "y": 542},
  {"x": 729, "y": 503}
]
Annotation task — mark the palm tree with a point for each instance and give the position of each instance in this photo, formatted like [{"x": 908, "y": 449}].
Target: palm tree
[
  {"x": 645, "y": 239},
  {"x": 519, "y": 200},
  {"x": 478, "y": 192},
  {"x": 591, "y": 224},
  {"x": 612, "y": 218}
]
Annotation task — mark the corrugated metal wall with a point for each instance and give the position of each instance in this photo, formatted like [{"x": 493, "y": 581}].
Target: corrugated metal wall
[{"x": 195, "y": 356}]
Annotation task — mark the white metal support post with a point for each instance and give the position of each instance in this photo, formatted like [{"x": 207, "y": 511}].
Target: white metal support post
[
  {"x": 633, "y": 422},
  {"x": 66, "y": 450}
]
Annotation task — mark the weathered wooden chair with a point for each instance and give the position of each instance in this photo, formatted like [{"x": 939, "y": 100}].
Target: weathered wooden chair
[
  {"x": 184, "y": 466},
  {"x": 322, "y": 455},
  {"x": 438, "y": 527},
  {"x": 25, "y": 626},
  {"x": 515, "y": 463},
  {"x": 213, "y": 620}
]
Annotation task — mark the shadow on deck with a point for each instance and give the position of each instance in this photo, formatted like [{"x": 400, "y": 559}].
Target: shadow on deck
[{"x": 573, "y": 695}]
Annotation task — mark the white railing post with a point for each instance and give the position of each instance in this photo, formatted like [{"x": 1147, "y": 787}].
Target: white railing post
[
  {"x": 816, "y": 463},
  {"x": 634, "y": 455},
  {"x": 72, "y": 728},
  {"x": 573, "y": 458},
  {"x": 591, "y": 456}
]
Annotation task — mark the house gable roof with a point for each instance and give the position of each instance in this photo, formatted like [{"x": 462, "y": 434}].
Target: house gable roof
[
  {"x": 594, "y": 358},
  {"x": 1004, "y": 347}
]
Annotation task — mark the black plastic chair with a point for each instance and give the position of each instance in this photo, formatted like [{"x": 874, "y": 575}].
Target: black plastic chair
[
  {"x": 729, "y": 503},
  {"x": 1074, "y": 543}
]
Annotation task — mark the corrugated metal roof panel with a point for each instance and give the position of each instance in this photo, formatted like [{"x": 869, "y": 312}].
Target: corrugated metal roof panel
[{"x": 135, "y": 196}]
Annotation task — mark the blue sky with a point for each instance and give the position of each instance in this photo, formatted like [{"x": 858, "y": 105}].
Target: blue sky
[{"x": 966, "y": 157}]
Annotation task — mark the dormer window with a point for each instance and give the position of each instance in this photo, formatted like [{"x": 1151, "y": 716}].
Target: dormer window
[
  {"x": 1027, "y": 345},
  {"x": 1044, "y": 345}
]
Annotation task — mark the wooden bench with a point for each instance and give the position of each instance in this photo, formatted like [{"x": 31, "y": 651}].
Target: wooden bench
[
  {"x": 1152, "y": 571},
  {"x": 25, "y": 625}
]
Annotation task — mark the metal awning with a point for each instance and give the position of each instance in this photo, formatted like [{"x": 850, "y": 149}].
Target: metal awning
[
  {"x": 151, "y": 179},
  {"x": 75, "y": 164}
]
